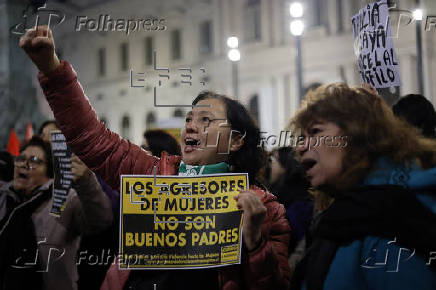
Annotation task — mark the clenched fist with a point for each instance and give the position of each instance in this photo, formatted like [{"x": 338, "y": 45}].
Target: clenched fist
[
  {"x": 254, "y": 213},
  {"x": 39, "y": 45}
]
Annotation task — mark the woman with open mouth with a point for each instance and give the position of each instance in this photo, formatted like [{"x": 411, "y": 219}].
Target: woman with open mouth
[
  {"x": 379, "y": 232},
  {"x": 38, "y": 250},
  {"x": 219, "y": 137}
]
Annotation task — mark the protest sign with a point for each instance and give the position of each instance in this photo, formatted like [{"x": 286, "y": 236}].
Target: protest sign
[
  {"x": 62, "y": 172},
  {"x": 173, "y": 222},
  {"x": 377, "y": 61}
]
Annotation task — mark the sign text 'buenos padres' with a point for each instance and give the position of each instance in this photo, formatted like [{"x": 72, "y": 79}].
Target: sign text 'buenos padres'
[{"x": 180, "y": 222}]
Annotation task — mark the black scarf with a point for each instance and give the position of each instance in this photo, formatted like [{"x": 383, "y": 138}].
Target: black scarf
[
  {"x": 19, "y": 248},
  {"x": 384, "y": 211}
]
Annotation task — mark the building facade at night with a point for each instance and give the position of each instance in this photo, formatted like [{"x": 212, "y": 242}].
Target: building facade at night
[{"x": 184, "y": 51}]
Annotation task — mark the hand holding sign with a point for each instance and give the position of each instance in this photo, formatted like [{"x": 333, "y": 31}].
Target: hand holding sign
[
  {"x": 39, "y": 45},
  {"x": 79, "y": 170},
  {"x": 254, "y": 213}
]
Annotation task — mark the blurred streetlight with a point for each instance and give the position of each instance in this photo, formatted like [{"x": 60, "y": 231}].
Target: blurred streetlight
[
  {"x": 296, "y": 10},
  {"x": 297, "y": 27},
  {"x": 417, "y": 14},
  {"x": 232, "y": 42},
  {"x": 234, "y": 56}
]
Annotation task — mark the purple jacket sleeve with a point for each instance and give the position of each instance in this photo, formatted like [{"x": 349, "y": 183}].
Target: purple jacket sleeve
[{"x": 101, "y": 150}]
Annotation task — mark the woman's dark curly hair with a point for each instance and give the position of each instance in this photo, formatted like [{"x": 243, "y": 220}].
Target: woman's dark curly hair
[
  {"x": 251, "y": 158},
  {"x": 159, "y": 140},
  {"x": 418, "y": 111},
  {"x": 6, "y": 166}
]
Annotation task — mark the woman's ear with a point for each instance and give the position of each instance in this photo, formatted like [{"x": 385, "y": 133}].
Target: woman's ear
[{"x": 237, "y": 140}]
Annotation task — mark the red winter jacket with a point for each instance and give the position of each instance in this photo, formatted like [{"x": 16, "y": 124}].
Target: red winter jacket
[{"x": 110, "y": 156}]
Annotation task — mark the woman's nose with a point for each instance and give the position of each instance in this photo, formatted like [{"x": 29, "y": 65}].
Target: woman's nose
[{"x": 191, "y": 127}]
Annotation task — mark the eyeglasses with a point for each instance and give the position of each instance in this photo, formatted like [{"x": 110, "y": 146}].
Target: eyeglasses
[
  {"x": 205, "y": 121},
  {"x": 32, "y": 162}
]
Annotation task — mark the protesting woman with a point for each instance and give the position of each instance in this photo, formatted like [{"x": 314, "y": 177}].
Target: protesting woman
[
  {"x": 379, "y": 232},
  {"x": 213, "y": 117},
  {"x": 38, "y": 250}
]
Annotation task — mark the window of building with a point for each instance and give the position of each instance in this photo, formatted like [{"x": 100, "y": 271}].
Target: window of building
[
  {"x": 354, "y": 6},
  {"x": 284, "y": 21},
  {"x": 206, "y": 37},
  {"x": 150, "y": 120},
  {"x": 393, "y": 3},
  {"x": 343, "y": 74},
  {"x": 319, "y": 14},
  {"x": 122, "y": 92},
  {"x": 252, "y": 21},
  {"x": 317, "y": 21},
  {"x": 176, "y": 47},
  {"x": 124, "y": 55},
  {"x": 178, "y": 113},
  {"x": 125, "y": 127},
  {"x": 148, "y": 47},
  {"x": 101, "y": 58},
  {"x": 340, "y": 16}
]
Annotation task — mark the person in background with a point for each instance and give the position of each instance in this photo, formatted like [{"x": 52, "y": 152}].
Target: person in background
[
  {"x": 419, "y": 112},
  {"x": 287, "y": 181},
  {"x": 155, "y": 141},
  {"x": 46, "y": 128},
  {"x": 6, "y": 166},
  {"x": 38, "y": 250},
  {"x": 382, "y": 177},
  {"x": 102, "y": 243}
]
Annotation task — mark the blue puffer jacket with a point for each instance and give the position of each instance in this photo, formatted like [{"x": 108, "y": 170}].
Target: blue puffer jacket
[{"x": 378, "y": 263}]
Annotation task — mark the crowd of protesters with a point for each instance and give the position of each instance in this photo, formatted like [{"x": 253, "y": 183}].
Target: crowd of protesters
[{"x": 315, "y": 216}]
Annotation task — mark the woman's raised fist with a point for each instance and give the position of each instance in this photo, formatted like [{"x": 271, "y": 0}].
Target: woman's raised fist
[{"x": 39, "y": 45}]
